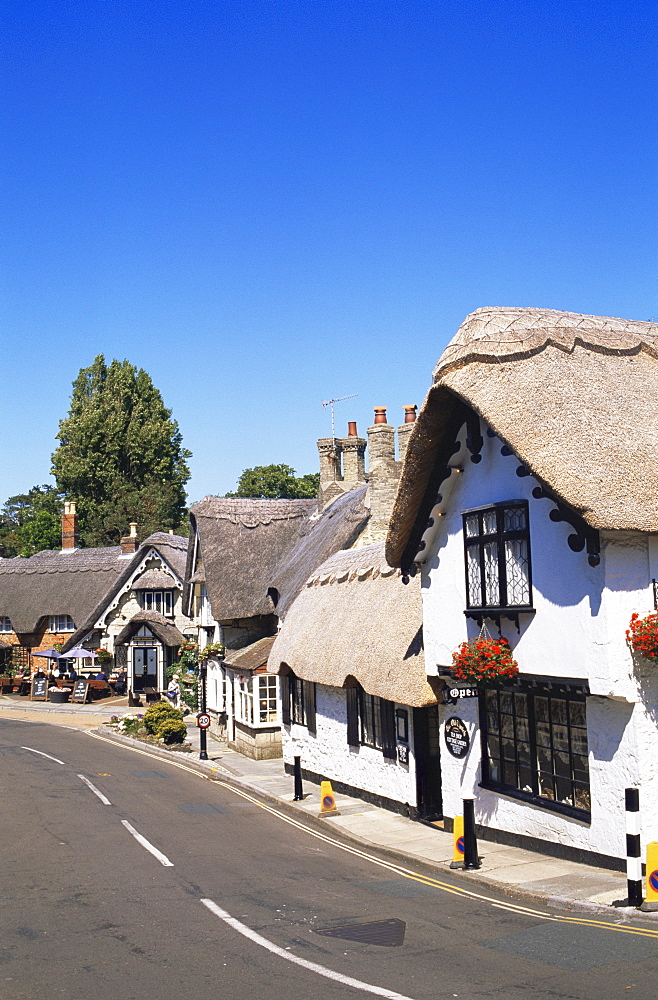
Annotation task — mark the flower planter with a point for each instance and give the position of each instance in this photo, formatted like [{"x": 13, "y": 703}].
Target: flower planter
[
  {"x": 484, "y": 659},
  {"x": 59, "y": 695}
]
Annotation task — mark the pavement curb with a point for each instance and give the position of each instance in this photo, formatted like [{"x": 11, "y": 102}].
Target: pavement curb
[{"x": 228, "y": 776}]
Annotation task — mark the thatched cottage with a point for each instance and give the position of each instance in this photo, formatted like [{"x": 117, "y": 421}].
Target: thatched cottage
[
  {"x": 124, "y": 598},
  {"x": 246, "y": 561},
  {"x": 528, "y": 503}
]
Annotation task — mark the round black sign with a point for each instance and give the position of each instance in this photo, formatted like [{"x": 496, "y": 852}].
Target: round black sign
[{"x": 456, "y": 737}]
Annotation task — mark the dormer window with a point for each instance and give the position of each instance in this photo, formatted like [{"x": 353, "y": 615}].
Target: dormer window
[
  {"x": 497, "y": 553},
  {"x": 5, "y": 624},
  {"x": 61, "y": 623},
  {"x": 161, "y": 601}
]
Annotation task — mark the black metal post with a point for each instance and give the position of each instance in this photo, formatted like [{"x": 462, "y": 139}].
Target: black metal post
[
  {"x": 203, "y": 746},
  {"x": 299, "y": 791},
  {"x": 471, "y": 859}
]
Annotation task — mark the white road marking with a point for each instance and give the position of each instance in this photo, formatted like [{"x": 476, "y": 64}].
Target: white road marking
[
  {"x": 104, "y": 800},
  {"x": 258, "y": 939},
  {"x": 452, "y": 889},
  {"x": 41, "y": 754},
  {"x": 162, "y": 858}
]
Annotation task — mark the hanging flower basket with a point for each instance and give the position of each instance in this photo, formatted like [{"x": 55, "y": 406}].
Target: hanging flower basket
[
  {"x": 484, "y": 659},
  {"x": 103, "y": 655},
  {"x": 642, "y": 635}
]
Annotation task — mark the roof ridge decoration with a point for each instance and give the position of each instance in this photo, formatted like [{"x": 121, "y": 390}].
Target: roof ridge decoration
[
  {"x": 252, "y": 513},
  {"x": 497, "y": 334}
]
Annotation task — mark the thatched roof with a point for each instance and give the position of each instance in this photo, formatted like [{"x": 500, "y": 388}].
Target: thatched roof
[
  {"x": 336, "y": 527},
  {"x": 154, "y": 579},
  {"x": 356, "y": 619},
  {"x": 51, "y": 583},
  {"x": 161, "y": 628},
  {"x": 250, "y": 658},
  {"x": 80, "y": 583},
  {"x": 242, "y": 543},
  {"x": 172, "y": 548},
  {"x": 573, "y": 396}
]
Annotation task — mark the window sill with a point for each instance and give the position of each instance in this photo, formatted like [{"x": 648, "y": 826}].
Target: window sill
[
  {"x": 496, "y": 615},
  {"x": 583, "y": 815}
]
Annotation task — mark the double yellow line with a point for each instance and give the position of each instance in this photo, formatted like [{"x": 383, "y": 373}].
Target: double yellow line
[{"x": 390, "y": 866}]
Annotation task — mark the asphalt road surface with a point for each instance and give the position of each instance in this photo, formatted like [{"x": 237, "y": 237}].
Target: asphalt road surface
[{"x": 125, "y": 876}]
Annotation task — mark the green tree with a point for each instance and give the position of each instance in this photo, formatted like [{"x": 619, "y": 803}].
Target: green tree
[
  {"x": 120, "y": 454},
  {"x": 277, "y": 481},
  {"x": 31, "y": 522}
]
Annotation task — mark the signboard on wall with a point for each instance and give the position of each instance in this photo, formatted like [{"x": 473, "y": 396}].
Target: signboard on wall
[{"x": 456, "y": 737}]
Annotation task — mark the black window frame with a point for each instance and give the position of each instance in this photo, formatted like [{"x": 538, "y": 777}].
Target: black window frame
[
  {"x": 371, "y": 721},
  {"x": 498, "y": 537},
  {"x": 529, "y": 746},
  {"x": 298, "y": 699}
]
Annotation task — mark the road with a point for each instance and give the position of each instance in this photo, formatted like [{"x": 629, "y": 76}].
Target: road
[{"x": 126, "y": 877}]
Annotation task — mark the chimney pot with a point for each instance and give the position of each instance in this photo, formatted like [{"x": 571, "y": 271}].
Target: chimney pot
[
  {"x": 380, "y": 415},
  {"x": 133, "y": 529},
  {"x": 410, "y": 414},
  {"x": 351, "y": 429}
]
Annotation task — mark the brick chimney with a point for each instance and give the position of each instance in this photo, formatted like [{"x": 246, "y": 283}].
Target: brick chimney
[
  {"x": 405, "y": 429},
  {"x": 129, "y": 543},
  {"x": 69, "y": 527},
  {"x": 384, "y": 471}
]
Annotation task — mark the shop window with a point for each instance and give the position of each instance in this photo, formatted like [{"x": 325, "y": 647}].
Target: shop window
[
  {"x": 61, "y": 623},
  {"x": 497, "y": 555},
  {"x": 267, "y": 691},
  {"x": 534, "y": 746}
]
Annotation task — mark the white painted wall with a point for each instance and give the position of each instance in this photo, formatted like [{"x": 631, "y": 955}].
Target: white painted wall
[
  {"x": 582, "y": 612},
  {"x": 328, "y": 753},
  {"x": 578, "y": 631}
]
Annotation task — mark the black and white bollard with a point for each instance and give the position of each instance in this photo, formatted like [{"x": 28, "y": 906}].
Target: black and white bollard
[
  {"x": 471, "y": 859},
  {"x": 297, "y": 772},
  {"x": 633, "y": 852}
]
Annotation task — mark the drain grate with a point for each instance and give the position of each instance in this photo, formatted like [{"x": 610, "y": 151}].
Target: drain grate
[{"x": 389, "y": 933}]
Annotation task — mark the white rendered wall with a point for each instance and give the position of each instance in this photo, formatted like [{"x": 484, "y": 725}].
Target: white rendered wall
[
  {"x": 582, "y": 612},
  {"x": 578, "y": 631},
  {"x": 327, "y": 752}
]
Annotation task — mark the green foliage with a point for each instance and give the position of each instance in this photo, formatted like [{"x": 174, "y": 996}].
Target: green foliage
[
  {"x": 157, "y": 714},
  {"x": 212, "y": 649},
  {"x": 120, "y": 454},
  {"x": 173, "y": 731},
  {"x": 276, "y": 481},
  {"x": 31, "y": 522}
]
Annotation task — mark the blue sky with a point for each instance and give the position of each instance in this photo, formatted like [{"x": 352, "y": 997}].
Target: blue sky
[{"x": 269, "y": 204}]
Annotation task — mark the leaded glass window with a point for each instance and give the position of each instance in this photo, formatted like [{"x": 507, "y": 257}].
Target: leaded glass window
[
  {"x": 497, "y": 552},
  {"x": 535, "y": 743}
]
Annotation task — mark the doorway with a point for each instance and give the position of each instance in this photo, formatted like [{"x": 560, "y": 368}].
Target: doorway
[
  {"x": 427, "y": 751},
  {"x": 145, "y": 668}
]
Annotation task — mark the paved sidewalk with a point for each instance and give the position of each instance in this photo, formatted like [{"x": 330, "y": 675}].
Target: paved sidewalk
[{"x": 561, "y": 884}]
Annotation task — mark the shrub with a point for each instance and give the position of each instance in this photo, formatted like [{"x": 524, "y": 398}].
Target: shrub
[
  {"x": 173, "y": 731},
  {"x": 159, "y": 713},
  {"x": 131, "y": 724}
]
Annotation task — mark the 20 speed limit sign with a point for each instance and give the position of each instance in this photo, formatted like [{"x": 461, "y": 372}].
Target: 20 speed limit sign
[{"x": 203, "y": 720}]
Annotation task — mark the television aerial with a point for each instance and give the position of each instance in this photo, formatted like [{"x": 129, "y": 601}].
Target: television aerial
[{"x": 330, "y": 402}]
